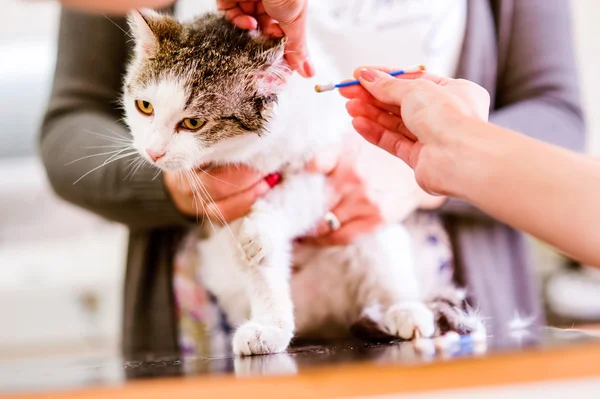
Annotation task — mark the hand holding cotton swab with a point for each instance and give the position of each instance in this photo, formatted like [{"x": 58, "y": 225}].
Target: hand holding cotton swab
[{"x": 332, "y": 86}]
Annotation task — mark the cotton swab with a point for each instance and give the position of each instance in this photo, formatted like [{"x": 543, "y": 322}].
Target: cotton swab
[{"x": 332, "y": 86}]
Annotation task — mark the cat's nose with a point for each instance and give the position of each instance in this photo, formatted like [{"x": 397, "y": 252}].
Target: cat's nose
[{"x": 154, "y": 155}]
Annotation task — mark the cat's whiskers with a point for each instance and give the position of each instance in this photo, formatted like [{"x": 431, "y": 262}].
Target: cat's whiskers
[
  {"x": 106, "y": 146},
  {"x": 134, "y": 164},
  {"x": 199, "y": 189},
  {"x": 216, "y": 178},
  {"x": 156, "y": 175},
  {"x": 196, "y": 197},
  {"x": 125, "y": 138},
  {"x": 111, "y": 153},
  {"x": 110, "y": 160},
  {"x": 137, "y": 167},
  {"x": 115, "y": 139},
  {"x": 117, "y": 25},
  {"x": 217, "y": 211}
]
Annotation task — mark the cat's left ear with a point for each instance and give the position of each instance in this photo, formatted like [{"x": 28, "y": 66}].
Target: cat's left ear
[
  {"x": 139, "y": 23},
  {"x": 273, "y": 76}
]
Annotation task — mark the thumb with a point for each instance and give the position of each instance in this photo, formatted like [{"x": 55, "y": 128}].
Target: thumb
[
  {"x": 384, "y": 87},
  {"x": 291, "y": 16}
]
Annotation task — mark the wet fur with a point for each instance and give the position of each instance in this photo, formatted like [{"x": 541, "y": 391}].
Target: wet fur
[{"x": 258, "y": 113}]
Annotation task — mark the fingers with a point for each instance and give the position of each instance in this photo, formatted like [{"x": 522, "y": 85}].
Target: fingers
[
  {"x": 348, "y": 233},
  {"x": 325, "y": 162},
  {"x": 360, "y": 93},
  {"x": 357, "y": 71},
  {"x": 226, "y": 181},
  {"x": 291, "y": 16},
  {"x": 389, "y": 121},
  {"x": 235, "y": 12},
  {"x": 269, "y": 26},
  {"x": 386, "y": 92},
  {"x": 275, "y": 18},
  {"x": 349, "y": 208},
  {"x": 236, "y": 206},
  {"x": 407, "y": 76},
  {"x": 393, "y": 142},
  {"x": 384, "y": 87}
]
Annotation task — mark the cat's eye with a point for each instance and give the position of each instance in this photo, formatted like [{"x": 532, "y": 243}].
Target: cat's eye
[
  {"x": 192, "y": 124},
  {"x": 144, "y": 107}
]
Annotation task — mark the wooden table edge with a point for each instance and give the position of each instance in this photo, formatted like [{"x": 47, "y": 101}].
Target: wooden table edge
[{"x": 366, "y": 379}]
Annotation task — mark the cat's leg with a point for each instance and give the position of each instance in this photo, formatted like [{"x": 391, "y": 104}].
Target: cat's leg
[
  {"x": 390, "y": 291},
  {"x": 265, "y": 238}
]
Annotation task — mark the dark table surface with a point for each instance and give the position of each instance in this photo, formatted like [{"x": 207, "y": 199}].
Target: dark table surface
[{"x": 57, "y": 374}]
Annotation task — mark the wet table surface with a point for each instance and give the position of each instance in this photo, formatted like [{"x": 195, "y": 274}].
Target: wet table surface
[{"x": 337, "y": 367}]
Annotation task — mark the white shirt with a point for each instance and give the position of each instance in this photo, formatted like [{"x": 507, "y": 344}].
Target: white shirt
[{"x": 395, "y": 33}]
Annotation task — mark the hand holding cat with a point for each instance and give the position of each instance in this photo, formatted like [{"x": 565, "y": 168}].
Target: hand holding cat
[
  {"x": 417, "y": 118},
  {"x": 353, "y": 206},
  {"x": 275, "y": 18},
  {"x": 233, "y": 190}
]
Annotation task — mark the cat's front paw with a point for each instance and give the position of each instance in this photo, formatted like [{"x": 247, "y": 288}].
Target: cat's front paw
[
  {"x": 403, "y": 319},
  {"x": 259, "y": 339},
  {"x": 254, "y": 244}
]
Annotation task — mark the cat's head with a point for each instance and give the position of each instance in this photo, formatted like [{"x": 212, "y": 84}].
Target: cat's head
[{"x": 196, "y": 89}]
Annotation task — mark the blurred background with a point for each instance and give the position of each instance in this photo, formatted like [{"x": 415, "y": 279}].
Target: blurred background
[{"x": 61, "y": 269}]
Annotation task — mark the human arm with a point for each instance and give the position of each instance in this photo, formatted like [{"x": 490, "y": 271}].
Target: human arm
[
  {"x": 437, "y": 126},
  {"x": 544, "y": 190},
  {"x": 536, "y": 88}
]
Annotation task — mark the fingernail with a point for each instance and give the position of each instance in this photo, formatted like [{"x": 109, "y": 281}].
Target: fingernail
[
  {"x": 273, "y": 179},
  {"x": 309, "y": 69},
  {"x": 263, "y": 188},
  {"x": 369, "y": 75}
]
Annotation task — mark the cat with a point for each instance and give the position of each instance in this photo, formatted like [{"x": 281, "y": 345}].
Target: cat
[{"x": 206, "y": 92}]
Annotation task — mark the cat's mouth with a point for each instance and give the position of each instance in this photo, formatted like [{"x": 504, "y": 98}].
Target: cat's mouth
[
  {"x": 168, "y": 165},
  {"x": 177, "y": 165}
]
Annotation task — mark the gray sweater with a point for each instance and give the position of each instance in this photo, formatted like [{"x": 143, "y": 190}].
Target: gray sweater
[{"x": 519, "y": 50}]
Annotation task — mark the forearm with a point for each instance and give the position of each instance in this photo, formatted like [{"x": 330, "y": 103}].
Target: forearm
[
  {"x": 543, "y": 190},
  {"x": 556, "y": 122}
]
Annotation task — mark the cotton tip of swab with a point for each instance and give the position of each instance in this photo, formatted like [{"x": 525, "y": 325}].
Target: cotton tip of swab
[
  {"x": 323, "y": 88},
  {"x": 415, "y": 68}
]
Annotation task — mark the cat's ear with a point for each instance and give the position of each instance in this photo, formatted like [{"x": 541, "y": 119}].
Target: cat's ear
[
  {"x": 140, "y": 22},
  {"x": 275, "y": 72}
]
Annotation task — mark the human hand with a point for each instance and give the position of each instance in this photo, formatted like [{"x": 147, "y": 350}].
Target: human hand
[
  {"x": 415, "y": 117},
  {"x": 275, "y": 18},
  {"x": 223, "y": 194},
  {"x": 351, "y": 204}
]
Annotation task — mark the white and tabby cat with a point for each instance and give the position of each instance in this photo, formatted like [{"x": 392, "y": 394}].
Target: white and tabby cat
[{"x": 206, "y": 92}]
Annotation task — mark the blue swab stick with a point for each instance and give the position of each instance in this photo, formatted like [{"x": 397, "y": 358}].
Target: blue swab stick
[{"x": 331, "y": 86}]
